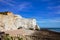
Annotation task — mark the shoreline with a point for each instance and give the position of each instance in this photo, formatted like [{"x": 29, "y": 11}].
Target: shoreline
[
  {"x": 42, "y": 34},
  {"x": 52, "y": 29}
]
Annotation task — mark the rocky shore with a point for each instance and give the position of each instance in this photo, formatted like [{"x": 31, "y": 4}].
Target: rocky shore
[
  {"x": 42, "y": 34},
  {"x": 45, "y": 34}
]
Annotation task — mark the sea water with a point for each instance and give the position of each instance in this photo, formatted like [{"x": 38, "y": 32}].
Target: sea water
[{"x": 54, "y": 29}]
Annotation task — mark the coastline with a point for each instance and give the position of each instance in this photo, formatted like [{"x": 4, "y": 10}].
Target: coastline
[
  {"x": 52, "y": 29},
  {"x": 42, "y": 34}
]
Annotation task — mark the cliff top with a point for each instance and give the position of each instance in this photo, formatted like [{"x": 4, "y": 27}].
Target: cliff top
[{"x": 6, "y": 13}]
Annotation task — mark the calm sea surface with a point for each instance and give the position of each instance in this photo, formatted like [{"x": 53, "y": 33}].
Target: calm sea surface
[{"x": 54, "y": 29}]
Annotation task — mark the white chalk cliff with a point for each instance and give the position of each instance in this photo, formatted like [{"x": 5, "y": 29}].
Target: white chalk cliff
[{"x": 10, "y": 21}]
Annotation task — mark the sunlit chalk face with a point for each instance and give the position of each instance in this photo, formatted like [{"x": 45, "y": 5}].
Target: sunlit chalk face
[
  {"x": 10, "y": 14},
  {"x": 12, "y": 22}
]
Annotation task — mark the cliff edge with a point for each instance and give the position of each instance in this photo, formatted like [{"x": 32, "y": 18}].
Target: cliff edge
[{"x": 10, "y": 21}]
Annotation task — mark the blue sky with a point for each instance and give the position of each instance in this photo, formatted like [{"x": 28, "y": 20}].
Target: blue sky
[{"x": 46, "y": 12}]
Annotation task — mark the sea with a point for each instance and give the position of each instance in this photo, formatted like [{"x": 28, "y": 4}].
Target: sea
[{"x": 54, "y": 29}]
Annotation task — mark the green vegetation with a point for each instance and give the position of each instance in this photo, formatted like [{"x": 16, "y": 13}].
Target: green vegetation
[
  {"x": 4, "y": 13},
  {"x": 8, "y": 37},
  {"x": 19, "y": 38}
]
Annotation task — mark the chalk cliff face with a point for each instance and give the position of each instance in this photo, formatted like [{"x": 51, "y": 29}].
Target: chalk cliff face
[{"x": 9, "y": 21}]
